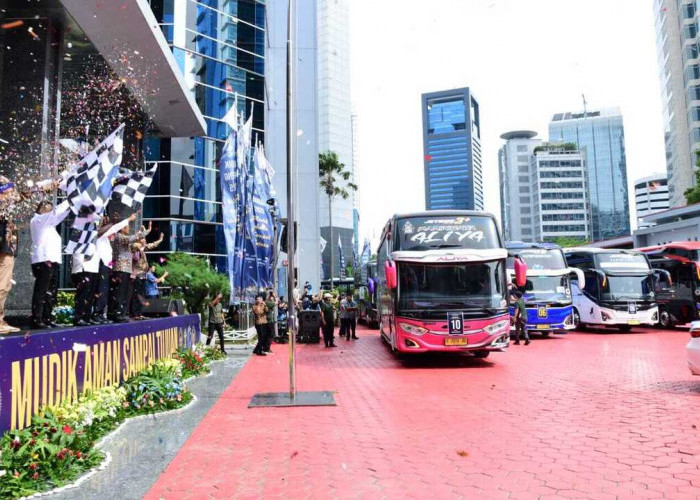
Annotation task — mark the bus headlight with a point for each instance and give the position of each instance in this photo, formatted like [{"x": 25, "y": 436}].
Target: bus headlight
[
  {"x": 493, "y": 328},
  {"x": 413, "y": 329}
]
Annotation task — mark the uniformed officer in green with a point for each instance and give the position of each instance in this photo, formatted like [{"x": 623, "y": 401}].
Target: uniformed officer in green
[
  {"x": 271, "y": 304},
  {"x": 520, "y": 318}
]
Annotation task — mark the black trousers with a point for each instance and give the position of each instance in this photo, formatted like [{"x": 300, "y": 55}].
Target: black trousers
[
  {"x": 261, "y": 346},
  {"x": 520, "y": 329},
  {"x": 118, "y": 292},
  {"x": 328, "y": 334},
  {"x": 137, "y": 297},
  {"x": 270, "y": 335},
  {"x": 344, "y": 328},
  {"x": 45, "y": 290},
  {"x": 219, "y": 327},
  {"x": 101, "y": 292},
  {"x": 85, "y": 285}
]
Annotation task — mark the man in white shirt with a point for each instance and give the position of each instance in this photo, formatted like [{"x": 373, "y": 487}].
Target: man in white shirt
[
  {"x": 104, "y": 254},
  {"x": 46, "y": 260}
]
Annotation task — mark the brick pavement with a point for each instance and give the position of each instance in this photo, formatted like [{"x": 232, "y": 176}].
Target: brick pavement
[{"x": 579, "y": 416}]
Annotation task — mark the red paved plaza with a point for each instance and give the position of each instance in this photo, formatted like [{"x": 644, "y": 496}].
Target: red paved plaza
[{"x": 584, "y": 415}]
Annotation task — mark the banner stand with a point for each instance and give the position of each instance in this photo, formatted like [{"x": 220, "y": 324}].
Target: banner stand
[{"x": 291, "y": 398}]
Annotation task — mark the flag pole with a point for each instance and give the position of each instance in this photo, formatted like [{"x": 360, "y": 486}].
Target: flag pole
[
  {"x": 291, "y": 317},
  {"x": 291, "y": 398}
]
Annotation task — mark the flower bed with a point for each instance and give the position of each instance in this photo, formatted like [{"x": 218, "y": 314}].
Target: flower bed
[{"x": 59, "y": 446}]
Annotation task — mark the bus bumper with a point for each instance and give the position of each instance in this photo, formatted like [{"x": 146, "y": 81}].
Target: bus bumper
[
  {"x": 492, "y": 334},
  {"x": 550, "y": 319},
  {"x": 618, "y": 318}
]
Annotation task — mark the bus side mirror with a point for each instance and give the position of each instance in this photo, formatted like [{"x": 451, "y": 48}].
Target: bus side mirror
[
  {"x": 370, "y": 286},
  {"x": 580, "y": 276},
  {"x": 520, "y": 269},
  {"x": 663, "y": 277},
  {"x": 390, "y": 270}
]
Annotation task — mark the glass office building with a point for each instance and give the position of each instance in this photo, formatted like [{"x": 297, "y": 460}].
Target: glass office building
[
  {"x": 220, "y": 47},
  {"x": 452, "y": 150},
  {"x": 601, "y": 135}
]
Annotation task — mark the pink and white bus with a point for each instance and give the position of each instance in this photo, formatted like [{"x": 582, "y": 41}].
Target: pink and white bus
[{"x": 442, "y": 283}]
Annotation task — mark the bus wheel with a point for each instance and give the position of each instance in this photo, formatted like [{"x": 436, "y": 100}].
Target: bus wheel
[
  {"x": 481, "y": 354},
  {"x": 624, "y": 328},
  {"x": 577, "y": 321},
  {"x": 665, "y": 319}
]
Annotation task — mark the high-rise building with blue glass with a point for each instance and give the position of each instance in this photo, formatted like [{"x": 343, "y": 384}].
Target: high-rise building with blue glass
[
  {"x": 452, "y": 150},
  {"x": 600, "y": 133},
  {"x": 220, "y": 47}
]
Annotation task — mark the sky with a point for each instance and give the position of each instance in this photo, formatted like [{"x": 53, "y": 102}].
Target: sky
[{"x": 524, "y": 60}]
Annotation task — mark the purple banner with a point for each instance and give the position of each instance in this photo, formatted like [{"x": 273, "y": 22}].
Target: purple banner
[{"x": 51, "y": 367}]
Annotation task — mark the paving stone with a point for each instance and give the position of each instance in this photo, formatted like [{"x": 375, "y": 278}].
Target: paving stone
[{"x": 585, "y": 415}]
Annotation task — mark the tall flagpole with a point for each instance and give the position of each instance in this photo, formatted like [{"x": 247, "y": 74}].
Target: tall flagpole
[
  {"x": 291, "y": 220},
  {"x": 291, "y": 398}
]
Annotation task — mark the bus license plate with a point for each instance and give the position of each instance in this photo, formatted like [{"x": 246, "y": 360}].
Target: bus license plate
[
  {"x": 543, "y": 327},
  {"x": 633, "y": 322},
  {"x": 456, "y": 341}
]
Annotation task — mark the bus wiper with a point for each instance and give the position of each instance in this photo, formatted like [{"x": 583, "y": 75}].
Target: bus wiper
[{"x": 447, "y": 245}]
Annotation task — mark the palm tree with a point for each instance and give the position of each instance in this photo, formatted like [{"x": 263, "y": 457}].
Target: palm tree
[{"x": 335, "y": 181}]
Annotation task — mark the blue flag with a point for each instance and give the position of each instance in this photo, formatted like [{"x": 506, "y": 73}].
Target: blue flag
[{"x": 231, "y": 198}]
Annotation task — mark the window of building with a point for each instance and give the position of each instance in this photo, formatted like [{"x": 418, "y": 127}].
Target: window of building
[
  {"x": 523, "y": 159},
  {"x": 521, "y": 148},
  {"x": 562, "y": 196},
  {"x": 526, "y": 221},
  {"x": 524, "y": 200},
  {"x": 694, "y": 93},
  {"x": 561, "y": 175},
  {"x": 561, "y": 185},
  {"x": 526, "y": 231},
  {"x": 523, "y": 189},
  {"x": 446, "y": 115},
  {"x": 523, "y": 169},
  {"x": 524, "y": 179},
  {"x": 562, "y": 217},
  {"x": 525, "y": 210}
]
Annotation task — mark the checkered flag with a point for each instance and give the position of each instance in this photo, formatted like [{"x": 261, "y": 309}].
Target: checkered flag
[
  {"x": 88, "y": 186},
  {"x": 133, "y": 192}
]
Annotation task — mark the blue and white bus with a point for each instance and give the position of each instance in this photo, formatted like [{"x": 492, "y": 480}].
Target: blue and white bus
[{"x": 547, "y": 292}]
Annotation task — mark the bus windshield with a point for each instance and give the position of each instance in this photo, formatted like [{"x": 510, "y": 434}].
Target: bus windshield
[
  {"x": 539, "y": 258},
  {"x": 628, "y": 288},
  {"x": 430, "y": 233},
  {"x": 547, "y": 289},
  {"x": 454, "y": 286}
]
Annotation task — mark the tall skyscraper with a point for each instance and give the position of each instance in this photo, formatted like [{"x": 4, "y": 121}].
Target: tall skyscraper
[
  {"x": 560, "y": 205},
  {"x": 650, "y": 197},
  {"x": 220, "y": 48},
  {"x": 514, "y": 160},
  {"x": 452, "y": 150},
  {"x": 601, "y": 134},
  {"x": 678, "y": 50},
  {"x": 335, "y": 123}
]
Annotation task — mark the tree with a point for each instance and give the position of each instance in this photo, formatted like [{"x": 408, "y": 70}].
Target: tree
[
  {"x": 692, "y": 195},
  {"x": 335, "y": 181},
  {"x": 568, "y": 241},
  {"x": 195, "y": 278}
]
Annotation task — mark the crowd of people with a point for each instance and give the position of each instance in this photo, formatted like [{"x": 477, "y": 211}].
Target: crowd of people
[{"x": 112, "y": 285}]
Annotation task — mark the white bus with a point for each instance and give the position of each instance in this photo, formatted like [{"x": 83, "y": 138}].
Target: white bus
[{"x": 619, "y": 288}]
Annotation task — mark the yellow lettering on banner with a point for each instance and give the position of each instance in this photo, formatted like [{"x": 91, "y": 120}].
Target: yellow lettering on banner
[
  {"x": 72, "y": 382},
  {"x": 108, "y": 364},
  {"x": 54, "y": 379},
  {"x": 98, "y": 367},
  {"x": 134, "y": 356},
  {"x": 87, "y": 373},
  {"x": 44, "y": 382},
  {"x": 126, "y": 372},
  {"x": 116, "y": 362},
  {"x": 35, "y": 364},
  {"x": 151, "y": 348},
  {"x": 159, "y": 345},
  {"x": 21, "y": 395},
  {"x": 64, "y": 376}
]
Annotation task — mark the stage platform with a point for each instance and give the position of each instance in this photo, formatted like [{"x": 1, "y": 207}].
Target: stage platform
[{"x": 40, "y": 367}]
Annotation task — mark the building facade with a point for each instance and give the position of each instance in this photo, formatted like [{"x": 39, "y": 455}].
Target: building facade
[
  {"x": 452, "y": 150},
  {"x": 560, "y": 200},
  {"x": 219, "y": 45},
  {"x": 335, "y": 128},
  {"x": 87, "y": 68},
  {"x": 678, "y": 50},
  {"x": 600, "y": 133},
  {"x": 514, "y": 163},
  {"x": 650, "y": 196}
]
